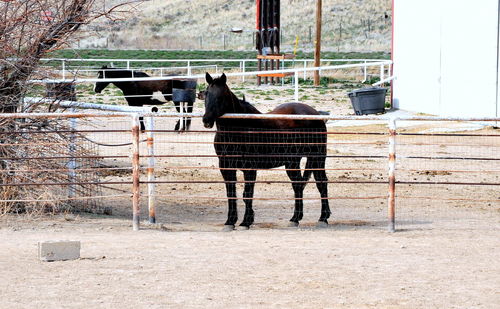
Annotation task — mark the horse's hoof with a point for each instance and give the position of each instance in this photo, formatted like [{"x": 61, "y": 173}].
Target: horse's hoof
[
  {"x": 293, "y": 224},
  {"x": 322, "y": 225},
  {"x": 244, "y": 228},
  {"x": 228, "y": 228}
]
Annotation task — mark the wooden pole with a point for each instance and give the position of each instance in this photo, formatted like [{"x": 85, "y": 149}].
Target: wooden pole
[
  {"x": 317, "y": 51},
  {"x": 135, "y": 173},
  {"x": 151, "y": 169},
  {"x": 391, "y": 205}
]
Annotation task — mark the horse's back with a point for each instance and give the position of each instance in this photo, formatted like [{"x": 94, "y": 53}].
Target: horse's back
[
  {"x": 294, "y": 109},
  {"x": 139, "y": 74}
]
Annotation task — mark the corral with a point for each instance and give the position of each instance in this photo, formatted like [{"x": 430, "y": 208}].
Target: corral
[
  {"x": 111, "y": 206},
  {"x": 444, "y": 253}
]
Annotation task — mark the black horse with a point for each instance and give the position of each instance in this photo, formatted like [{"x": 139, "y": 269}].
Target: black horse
[
  {"x": 140, "y": 93},
  {"x": 252, "y": 144}
]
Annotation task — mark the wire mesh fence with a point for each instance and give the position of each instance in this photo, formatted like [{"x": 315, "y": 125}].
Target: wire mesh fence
[
  {"x": 69, "y": 169},
  {"x": 447, "y": 176},
  {"x": 441, "y": 176}
]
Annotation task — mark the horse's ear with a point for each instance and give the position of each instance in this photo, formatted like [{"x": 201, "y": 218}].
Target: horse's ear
[
  {"x": 104, "y": 67},
  {"x": 209, "y": 78},
  {"x": 223, "y": 78},
  {"x": 244, "y": 100}
]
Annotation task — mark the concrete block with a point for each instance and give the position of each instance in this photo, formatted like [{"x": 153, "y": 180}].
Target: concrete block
[{"x": 49, "y": 251}]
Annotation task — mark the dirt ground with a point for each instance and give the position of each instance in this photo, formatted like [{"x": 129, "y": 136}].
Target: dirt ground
[
  {"x": 346, "y": 266},
  {"x": 445, "y": 254}
]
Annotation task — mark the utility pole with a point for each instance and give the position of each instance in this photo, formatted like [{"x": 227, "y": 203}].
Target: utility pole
[{"x": 317, "y": 51}]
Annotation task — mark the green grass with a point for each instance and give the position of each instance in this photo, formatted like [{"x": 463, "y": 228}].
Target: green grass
[{"x": 186, "y": 54}]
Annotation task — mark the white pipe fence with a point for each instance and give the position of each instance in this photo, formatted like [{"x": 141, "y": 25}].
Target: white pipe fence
[
  {"x": 295, "y": 71},
  {"x": 242, "y": 64}
]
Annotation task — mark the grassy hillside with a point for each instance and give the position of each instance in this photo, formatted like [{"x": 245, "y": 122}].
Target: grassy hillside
[{"x": 348, "y": 25}]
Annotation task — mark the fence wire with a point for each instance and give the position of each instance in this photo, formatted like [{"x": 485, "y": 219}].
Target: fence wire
[
  {"x": 442, "y": 176},
  {"x": 447, "y": 177},
  {"x": 188, "y": 172}
]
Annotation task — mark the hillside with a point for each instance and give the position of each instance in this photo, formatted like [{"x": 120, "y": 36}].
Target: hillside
[{"x": 348, "y": 25}]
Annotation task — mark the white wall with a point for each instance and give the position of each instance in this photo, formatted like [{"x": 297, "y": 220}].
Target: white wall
[
  {"x": 445, "y": 57},
  {"x": 498, "y": 64}
]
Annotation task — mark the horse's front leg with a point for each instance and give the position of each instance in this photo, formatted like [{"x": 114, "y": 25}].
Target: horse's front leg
[
  {"x": 232, "y": 214},
  {"x": 322, "y": 185},
  {"x": 250, "y": 177},
  {"x": 298, "y": 185}
]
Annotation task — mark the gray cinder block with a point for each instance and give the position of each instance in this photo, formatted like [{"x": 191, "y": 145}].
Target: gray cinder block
[{"x": 49, "y": 251}]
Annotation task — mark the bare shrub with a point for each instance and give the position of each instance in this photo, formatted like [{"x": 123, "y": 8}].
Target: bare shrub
[{"x": 29, "y": 30}]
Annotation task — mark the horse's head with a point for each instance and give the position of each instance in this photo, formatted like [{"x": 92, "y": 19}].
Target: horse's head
[
  {"x": 217, "y": 99},
  {"x": 102, "y": 73}
]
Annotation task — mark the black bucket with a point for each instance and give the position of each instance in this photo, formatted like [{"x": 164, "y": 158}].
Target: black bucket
[
  {"x": 368, "y": 100},
  {"x": 183, "y": 95},
  {"x": 189, "y": 84},
  {"x": 184, "y": 90}
]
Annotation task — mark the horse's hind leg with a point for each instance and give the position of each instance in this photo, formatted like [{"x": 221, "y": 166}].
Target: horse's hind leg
[
  {"x": 189, "y": 111},
  {"x": 250, "y": 176},
  {"x": 178, "y": 108},
  {"x": 232, "y": 214},
  {"x": 141, "y": 123},
  {"x": 184, "y": 118},
  {"x": 298, "y": 185},
  {"x": 322, "y": 185}
]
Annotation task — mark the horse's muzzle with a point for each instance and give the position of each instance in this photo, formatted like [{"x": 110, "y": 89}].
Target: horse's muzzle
[{"x": 208, "y": 123}]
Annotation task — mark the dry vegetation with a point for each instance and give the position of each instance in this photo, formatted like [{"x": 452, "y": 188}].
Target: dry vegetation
[
  {"x": 177, "y": 24},
  {"x": 29, "y": 30}
]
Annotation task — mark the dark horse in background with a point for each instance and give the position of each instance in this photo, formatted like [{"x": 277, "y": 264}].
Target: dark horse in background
[
  {"x": 140, "y": 93},
  {"x": 252, "y": 144}
]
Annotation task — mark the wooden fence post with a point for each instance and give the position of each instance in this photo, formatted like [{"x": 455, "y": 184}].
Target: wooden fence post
[
  {"x": 391, "y": 205},
  {"x": 151, "y": 168},
  {"x": 135, "y": 173}
]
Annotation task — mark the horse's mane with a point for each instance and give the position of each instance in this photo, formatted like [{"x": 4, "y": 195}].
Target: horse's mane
[{"x": 247, "y": 106}]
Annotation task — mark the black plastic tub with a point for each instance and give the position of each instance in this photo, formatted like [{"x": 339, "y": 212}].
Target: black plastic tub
[
  {"x": 183, "y": 95},
  {"x": 368, "y": 100}
]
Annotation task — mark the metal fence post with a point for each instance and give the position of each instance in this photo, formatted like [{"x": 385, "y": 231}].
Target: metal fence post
[
  {"x": 151, "y": 168},
  {"x": 283, "y": 68},
  {"x": 365, "y": 73},
  {"x": 305, "y": 67},
  {"x": 135, "y": 173},
  {"x": 382, "y": 68},
  {"x": 72, "y": 161},
  {"x": 391, "y": 205},
  {"x": 296, "y": 86},
  {"x": 64, "y": 69},
  {"x": 243, "y": 70},
  {"x": 189, "y": 68}
]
